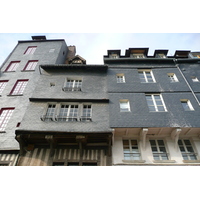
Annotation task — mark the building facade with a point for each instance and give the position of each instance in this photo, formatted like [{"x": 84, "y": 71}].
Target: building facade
[
  {"x": 154, "y": 107},
  {"x": 135, "y": 109},
  {"x": 18, "y": 77}
]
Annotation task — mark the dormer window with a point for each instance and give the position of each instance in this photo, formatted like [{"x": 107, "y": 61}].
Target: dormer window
[
  {"x": 138, "y": 55},
  {"x": 114, "y": 55},
  {"x": 161, "y": 55}
]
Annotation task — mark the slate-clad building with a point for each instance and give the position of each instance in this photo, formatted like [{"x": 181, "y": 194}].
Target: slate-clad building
[
  {"x": 135, "y": 109},
  {"x": 69, "y": 113},
  {"x": 154, "y": 107},
  {"x": 18, "y": 77}
]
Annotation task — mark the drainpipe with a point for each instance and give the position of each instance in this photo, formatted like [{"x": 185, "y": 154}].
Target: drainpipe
[{"x": 175, "y": 61}]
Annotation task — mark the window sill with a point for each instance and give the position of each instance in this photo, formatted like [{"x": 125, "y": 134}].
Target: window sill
[
  {"x": 133, "y": 161},
  {"x": 191, "y": 161},
  {"x": 164, "y": 161},
  {"x": 10, "y": 95},
  {"x": 27, "y": 70},
  {"x": 2, "y": 131}
]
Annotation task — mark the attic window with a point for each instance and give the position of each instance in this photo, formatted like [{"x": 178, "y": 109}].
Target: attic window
[
  {"x": 77, "y": 62},
  {"x": 138, "y": 55},
  {"x": 160, "y": 55},
  {"x": 114, "y": 55}
]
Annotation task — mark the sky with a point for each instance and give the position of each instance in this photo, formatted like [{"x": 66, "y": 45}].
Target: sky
[{"x": 93, "y": 46}]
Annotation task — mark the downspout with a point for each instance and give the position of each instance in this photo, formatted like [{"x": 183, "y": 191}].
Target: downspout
[{"x": 175, "y": 61}]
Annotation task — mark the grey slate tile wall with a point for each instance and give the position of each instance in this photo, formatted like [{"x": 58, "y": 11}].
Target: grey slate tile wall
[{"x": 134, "y": 91}]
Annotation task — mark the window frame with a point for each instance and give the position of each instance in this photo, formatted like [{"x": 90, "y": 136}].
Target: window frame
[
  {"x": 132, "y": 153},
  {"x": 30, "y": 50},
  {"x": 32, "y": 67},
  {"x": 19, "y": 92},
  {"x": 11, "y": 68},
  {"x": 143, "y": 71},
  {"x": 195, "y": 79},
  {"x": 120, "y": 78},
  {"x": 88, "y": 117},
  {"x": 68, "y": 87},
  {"x": 68, "y": 118},
  {"x": 187, "y": 153},
  {"x": 188, "y": 104},
  {"x": 159, "y": 153},
  {"x": 154, "y": 102},
  {"x": 172, "y": 77},
  {"x": 2, "y": 120},
  {"x": 3, "y": 84},
  {"x": 137, "y": 55},
  {"x": 122, "y": 101}
]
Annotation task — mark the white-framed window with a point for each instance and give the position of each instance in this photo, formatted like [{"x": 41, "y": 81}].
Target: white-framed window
[
  {"x": 5, "y": 115},
  {"x": 187, "y": 105},
  {"x": 30, "y": 50},
  {"x": 172, "y": 77},
  {"x": 120, "y": 78},
  {"x": 72, "y": 85},
  {"x": 50, "y": 112},
  {"x": 68, "y": 113},
  {"x": 131, "y": 150},
  {"x": 160, "y": 55},
  {"x": 12, "y": 66},
  {"x": 155, "y": 103},
  {"x": 86, "y": 113},
  {"x": 187, "y": 150},
  {"x": 146, "y": 76},
  {"x": 114, "y": 55},
  {"x": 3, "y": 84},
  {"x": 158, "y": 149},
  {"x": 195, "y": 79},
  {"x": 138, "y": 55},
  {"x": 124, "y": 105},
  {"x": 31, "y": 64},
  {"x": 19, "y": 87}
]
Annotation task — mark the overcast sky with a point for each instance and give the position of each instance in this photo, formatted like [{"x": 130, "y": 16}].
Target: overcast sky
[{"x": 92, "y": 46}]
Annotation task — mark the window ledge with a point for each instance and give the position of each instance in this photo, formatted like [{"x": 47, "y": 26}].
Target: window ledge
[
  {"x": 10, "y": 95},
  {"x": 134, "y": 161},
  {"x": 27, "y": 70},
  {"x": 191, "y": 161},
  {"x": 164, "y": 161},
  {"x": 2, "y": 131}
]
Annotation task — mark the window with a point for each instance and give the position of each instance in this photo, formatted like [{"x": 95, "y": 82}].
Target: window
[
  {"x": 114, "y": 55},
  {"x": 120, "y": 78},
  {"x": 194, "y": 79},
  {"x": 31, "y": 64},
  {"x": 187, "y": 150},
  {"x": 73, "y": 85},
  {"x": 138, "y": 55},
  {"x": 68, "y": 113},
  {"x": 186, "y": 105},
  {"x": 155, "y": 103},
  {"x": 172, "y": 77},
  {"x": 12, "y": 66},
  {"x": 30, "y": 50},
  {"x": 160, "y": 55},
  {"x": 3, "y": 85},
  {"x": 146, "y": 76},
  {"x": 158, "y": 150},
  {"x": 5, "y": 115},
  {"x": 124, "y": 105},
  {"x": 19, "y": 87},
  {"x": 50, "y": 112},
  {"x": 131, "y": 151},
  {"x": 87, "y": 113}
]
